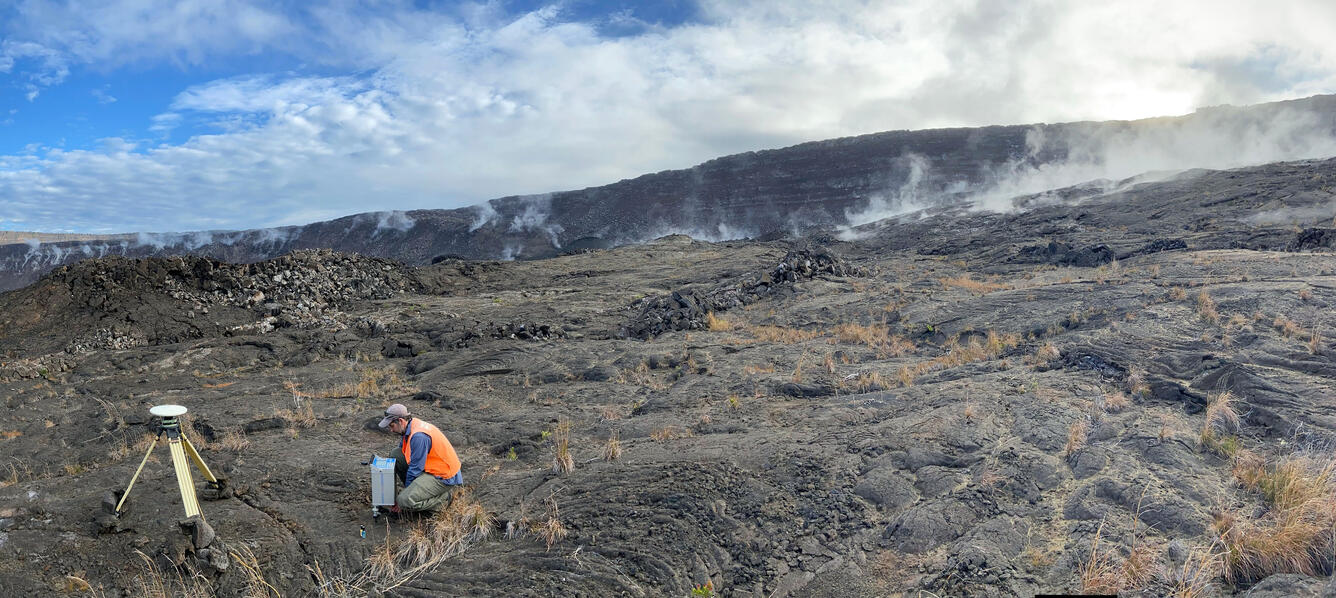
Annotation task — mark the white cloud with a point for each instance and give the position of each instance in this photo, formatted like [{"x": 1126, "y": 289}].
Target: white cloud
[
  {"x": 44, "y": 66},
  {"x": 264, "y": 93},
  {"x": 113, "y": 33},
  {"x": 164, "y": 123},
  {"x": 441, "y": 109},
  {"x": 103, "y": 97}
]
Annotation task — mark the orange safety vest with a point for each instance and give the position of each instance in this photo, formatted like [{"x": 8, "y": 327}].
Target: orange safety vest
[{"x": 442, "y": 461}]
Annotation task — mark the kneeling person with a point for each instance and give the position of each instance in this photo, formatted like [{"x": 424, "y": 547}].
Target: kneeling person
[{"x": 426, "y": 465}]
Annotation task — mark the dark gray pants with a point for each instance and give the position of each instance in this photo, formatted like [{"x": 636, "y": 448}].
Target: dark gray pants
[{"x": 426, "y": 493}]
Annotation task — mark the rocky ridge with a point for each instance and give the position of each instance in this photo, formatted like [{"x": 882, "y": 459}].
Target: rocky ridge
[
  {"x": 133, "y": 302},
  {"x": 689, "y": 308}
]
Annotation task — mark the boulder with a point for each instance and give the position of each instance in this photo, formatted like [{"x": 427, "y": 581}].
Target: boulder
[
  {"x": 268, "y": 423},
  {"x": 794, "y": 389},
  {"x": 599, "y": 373}
]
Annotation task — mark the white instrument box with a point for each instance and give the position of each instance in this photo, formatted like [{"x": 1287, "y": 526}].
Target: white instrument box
[{"x": 382, "y": 482}]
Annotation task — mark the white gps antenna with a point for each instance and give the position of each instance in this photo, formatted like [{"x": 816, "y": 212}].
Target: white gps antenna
[
  {"x": 169, "y": 425},
  {"x": 167, "y": 411}
]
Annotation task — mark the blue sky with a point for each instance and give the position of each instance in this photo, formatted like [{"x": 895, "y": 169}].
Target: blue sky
[{"x": 156, "y": 115}]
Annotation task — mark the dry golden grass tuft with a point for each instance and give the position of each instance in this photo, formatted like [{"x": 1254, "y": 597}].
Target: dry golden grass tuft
[
  {"x": 1206, "y": 308},
  {"x": 200, "y": 441},
  {"x": 1115, "y": 402},
  {"x": 1291, "y": 482},
  {"x": 10, "y": 434},
  {"x": 1102, "y": 572},
  {"x": 906, "y": 375},
  {"x": 1136, "y": 382},
  {"x": 978, "y": 287},
  {"x": 1305, "y": 295},
  {"x": 895, "y": 346},
  {"x": 613, "y": 449},
  {"x": 550, "y": 529},
  {"x": 1076, "y": 437},
  {"x": 294, "y": 387},
  {"x": 1046, "y": 353},
  {"x": 876, "y": 336},
  {"x": 18, "y": 472},
  {"x": 1177, "y": 294},
  {"x": 1166, "y": 432},
  {"x": 1036, "y": 557},
  {"x": 329, "y": 585},
  {"x": 797, "y": 375},
  {"x": 1249, "y": 468},
  {"x": 234, "y": 440},
  {"x": 1106, "y": 274},
  {"x": 888, "y": 569},
  {"x": 1286, "y": 327},
  {"x": 642, "y": 376},
  {"x": 562, "y": 461},
  {"x": 372, "y": 383},
  {"x": 1314, "y": 342},
  {"x": 866, "y": 382},
  {"x": 382, "y": 563},
  {"x": 871, "y": 335},
  {"x": 995, "y": 344},
  {"x": 717, "y": 324},
  {"x": 1140, "y": 567},
  {"x": 668, "y": 433},
  {"x": 958, "y": 354},
  {"x": 1195, "y": 577},
  {"x": 114, "y": 418},
  {"x": 781, "y": 334},
  {"x": 252, "y": 575},
  {"x": 455, "y": 528},
  {"x": 130, "y": 446},
  {"x": 1099, "y": 573},
  {"x": 1220, "y": 426},
  {"x": 752, "y": 370},
  {"x": 1294, "y": 534},
  {"x": 301, "y": 416},
  {"x": 155, "y": 583}
]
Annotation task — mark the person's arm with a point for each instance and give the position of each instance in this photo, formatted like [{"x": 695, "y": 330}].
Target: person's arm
[{"x": 419, "y": 445}]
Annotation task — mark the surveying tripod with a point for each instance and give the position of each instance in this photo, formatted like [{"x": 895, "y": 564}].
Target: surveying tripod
[{"x": 170, "y": 426}]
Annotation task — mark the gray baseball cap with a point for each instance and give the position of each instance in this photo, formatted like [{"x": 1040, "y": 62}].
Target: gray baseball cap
[{"x": 394, "y": 411}]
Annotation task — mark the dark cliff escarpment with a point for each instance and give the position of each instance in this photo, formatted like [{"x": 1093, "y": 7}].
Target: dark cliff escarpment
[{"x": 757, "y": 194}]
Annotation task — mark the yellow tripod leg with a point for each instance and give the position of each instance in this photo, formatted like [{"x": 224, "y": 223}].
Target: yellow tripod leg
[
  {"x": 183, "y": 478},
  {"x": 194, "y": 456},
  {"x": 136, "y": 476}
]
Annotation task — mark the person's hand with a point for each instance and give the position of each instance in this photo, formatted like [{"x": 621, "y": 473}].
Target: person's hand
[{"x": 394, "y": 509}]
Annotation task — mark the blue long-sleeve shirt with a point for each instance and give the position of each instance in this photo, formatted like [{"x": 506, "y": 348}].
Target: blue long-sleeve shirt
[{"x": 419, "y": 445}]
